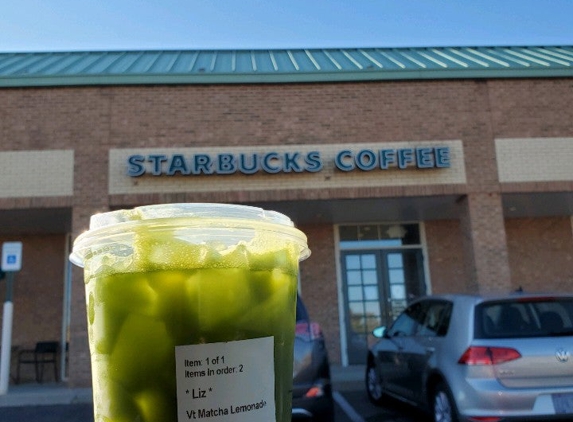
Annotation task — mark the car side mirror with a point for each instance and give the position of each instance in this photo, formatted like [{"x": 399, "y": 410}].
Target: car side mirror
[{"x": 379, "y": 332}]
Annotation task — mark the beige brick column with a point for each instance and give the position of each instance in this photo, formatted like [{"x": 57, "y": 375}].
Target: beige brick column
[
  {"x": 79, "y": 367},
  {"x": 482, "y": 221},
  {"x": 318, "y": 285},
  {"x": 79, "y": 356},
  {"x": 485, "y": 244},
  {"x": 90, "y": 197}
]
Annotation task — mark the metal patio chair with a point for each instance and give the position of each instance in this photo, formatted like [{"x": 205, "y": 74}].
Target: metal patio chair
[{"x": 45, "y": 353}]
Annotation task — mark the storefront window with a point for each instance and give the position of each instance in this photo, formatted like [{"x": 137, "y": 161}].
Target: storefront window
[{"x": 379, "y": 235}]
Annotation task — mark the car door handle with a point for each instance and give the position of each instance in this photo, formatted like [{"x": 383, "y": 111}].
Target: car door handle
[{"x": 430, "y": 350}]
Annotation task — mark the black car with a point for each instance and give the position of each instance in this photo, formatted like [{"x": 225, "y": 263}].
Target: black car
[{"x": 312, "y": 390}]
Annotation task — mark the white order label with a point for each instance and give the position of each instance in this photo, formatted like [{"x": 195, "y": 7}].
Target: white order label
[{"x": 231, "y": 381}]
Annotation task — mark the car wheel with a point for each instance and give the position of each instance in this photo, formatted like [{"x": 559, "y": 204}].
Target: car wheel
[
  {"x": 443, "y": 403},
  {"x": 373, "y": 384}
]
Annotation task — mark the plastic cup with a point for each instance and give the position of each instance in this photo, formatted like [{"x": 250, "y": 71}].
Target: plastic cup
[{"x": 191, "y": 312}]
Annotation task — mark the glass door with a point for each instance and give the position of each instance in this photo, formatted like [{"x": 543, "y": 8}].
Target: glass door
[{"x": 377, "y": 286}]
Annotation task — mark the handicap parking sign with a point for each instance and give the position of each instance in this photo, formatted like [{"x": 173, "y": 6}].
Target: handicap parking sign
[{"x": 11, "y": 256}]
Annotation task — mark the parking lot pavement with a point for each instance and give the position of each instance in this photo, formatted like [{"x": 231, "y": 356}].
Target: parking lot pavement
[
  {"x": 352, "y": 404},
  {"x": 43, "y": 403},
  {"x": 78, "y": 412},
  {"x": 83, "y": 412},
  {"x": 367, "y": 412}
]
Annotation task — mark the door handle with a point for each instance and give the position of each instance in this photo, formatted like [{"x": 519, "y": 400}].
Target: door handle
[{"x": 430, "y": 350}]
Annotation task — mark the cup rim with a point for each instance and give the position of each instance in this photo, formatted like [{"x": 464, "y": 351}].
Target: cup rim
[{"x": 209, "y": 216}]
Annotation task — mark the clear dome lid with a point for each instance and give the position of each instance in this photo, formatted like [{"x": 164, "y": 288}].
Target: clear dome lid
[{"x": 227, "y": 224}]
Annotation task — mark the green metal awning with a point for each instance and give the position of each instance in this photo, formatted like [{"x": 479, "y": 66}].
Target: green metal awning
[{"x": 281, "y": 66}]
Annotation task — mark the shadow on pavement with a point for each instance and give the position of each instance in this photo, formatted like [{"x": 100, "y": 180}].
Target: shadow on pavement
[
  {"x": 394, "y": 411},
  {"x": 82, "y": 412}
]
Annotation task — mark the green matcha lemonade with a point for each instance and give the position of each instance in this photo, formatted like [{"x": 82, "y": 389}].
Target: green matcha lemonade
[{"x": 191, "y": 312}]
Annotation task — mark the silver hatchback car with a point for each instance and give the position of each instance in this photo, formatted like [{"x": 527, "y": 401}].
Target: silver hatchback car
[{"x": 474, "y": 358}]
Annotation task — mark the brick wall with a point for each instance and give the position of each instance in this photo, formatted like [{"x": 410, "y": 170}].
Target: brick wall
[
  {"x": 93, "y": 120},
  {"x": 37, "y": 295},
  {"x": 541, "y": 253},
  {"x": 445, "y": 254},
  {"x": 234, "y": 115}
]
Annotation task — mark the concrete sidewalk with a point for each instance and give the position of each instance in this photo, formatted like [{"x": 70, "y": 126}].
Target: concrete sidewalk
[
  {"x": 33, "y": 394},
  {"x": 44, "y": 394}
]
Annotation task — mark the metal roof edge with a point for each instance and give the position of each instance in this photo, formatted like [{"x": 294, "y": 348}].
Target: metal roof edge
[
  {"x": 163, "y": 67},
  {"x": 263, "y": 78}
]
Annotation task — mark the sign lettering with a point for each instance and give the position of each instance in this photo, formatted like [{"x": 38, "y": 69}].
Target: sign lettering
[{"x": 273, "y": 162}]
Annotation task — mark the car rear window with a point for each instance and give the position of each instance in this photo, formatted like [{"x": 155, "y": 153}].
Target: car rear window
[{"x": 524, "y": 317}]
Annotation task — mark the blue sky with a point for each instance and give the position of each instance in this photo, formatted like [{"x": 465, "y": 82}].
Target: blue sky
[{"x": 64, "y": 25}]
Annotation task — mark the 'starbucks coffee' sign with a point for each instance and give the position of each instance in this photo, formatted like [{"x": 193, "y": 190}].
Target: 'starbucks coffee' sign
[{"x": 274, "y": 162}]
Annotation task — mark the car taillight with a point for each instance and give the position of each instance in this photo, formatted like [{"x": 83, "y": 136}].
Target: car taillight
[
  {"x": 479, "y": 355},
  {"x": 316, "y": 391},
  {"x": 312, "y": 330},
  {"x": 315, "y": 330},
  {"x": 484, "y": 419}
]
